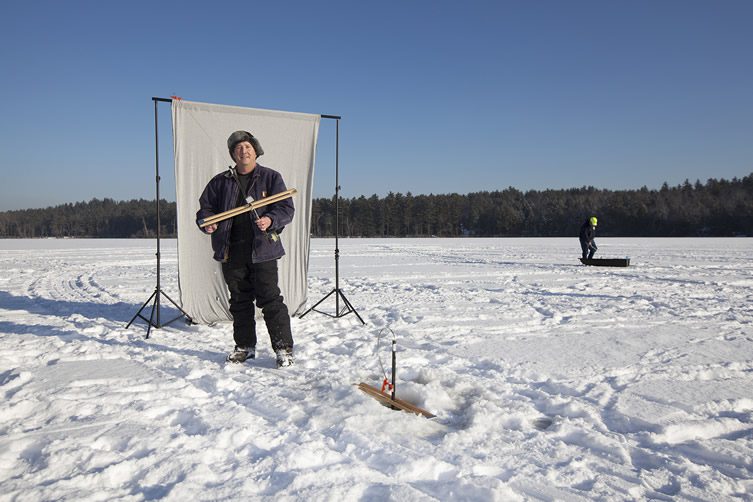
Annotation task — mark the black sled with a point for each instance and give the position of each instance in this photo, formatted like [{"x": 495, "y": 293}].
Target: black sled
[{"x": 606, "y": 262}]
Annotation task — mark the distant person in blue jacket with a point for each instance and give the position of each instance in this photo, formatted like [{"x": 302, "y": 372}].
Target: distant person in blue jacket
[
  {"x": 248, "y": 246},
  {"x": 587, "y": 236}
]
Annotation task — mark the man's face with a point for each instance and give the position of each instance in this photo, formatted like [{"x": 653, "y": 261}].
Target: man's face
[{"x": 244, "y": 154}]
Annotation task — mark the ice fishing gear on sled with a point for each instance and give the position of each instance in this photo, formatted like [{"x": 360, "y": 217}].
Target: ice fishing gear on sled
[
  {"x": 390, "y": 400},
  {"x": 588, "y": 246}
]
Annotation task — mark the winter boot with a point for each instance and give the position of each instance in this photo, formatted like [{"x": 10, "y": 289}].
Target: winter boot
[
  {"x": 284, "y": 357},
  {"x": 240, "y": 354}
]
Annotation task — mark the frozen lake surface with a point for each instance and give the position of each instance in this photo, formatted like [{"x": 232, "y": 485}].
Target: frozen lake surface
[{"x": 549, "y": 380}]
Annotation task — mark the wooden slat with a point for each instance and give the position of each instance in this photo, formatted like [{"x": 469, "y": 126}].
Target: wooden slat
[
  {"x": 395, "y": 403},
  {"x": 230, "y": 213}
]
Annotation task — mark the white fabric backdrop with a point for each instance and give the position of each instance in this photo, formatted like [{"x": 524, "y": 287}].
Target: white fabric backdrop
[{"x": 200, "y": 133}]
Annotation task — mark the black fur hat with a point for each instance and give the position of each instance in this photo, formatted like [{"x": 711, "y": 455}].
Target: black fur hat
[{"x": 239, "y": 136}]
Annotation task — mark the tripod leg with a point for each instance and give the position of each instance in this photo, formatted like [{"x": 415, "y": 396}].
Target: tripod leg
[
  {"x": 151, "y": 318},
  {"x": 177, "y": 307},
  {"x": 139, "y": 311},
  {"x": 350, "y": 307},
  {"x": 317, "y": 304}
]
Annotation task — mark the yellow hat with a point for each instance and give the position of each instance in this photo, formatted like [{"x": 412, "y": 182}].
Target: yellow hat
[{"x": 593, "y": 220}]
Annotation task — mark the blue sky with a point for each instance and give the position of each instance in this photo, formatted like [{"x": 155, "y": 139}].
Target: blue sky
[{"x": 436, "y": 96}]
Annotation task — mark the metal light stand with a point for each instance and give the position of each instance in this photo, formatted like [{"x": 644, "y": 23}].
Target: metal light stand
[
  {"x": 152, "y": 321},
  {"x": 347, "y": 308}
]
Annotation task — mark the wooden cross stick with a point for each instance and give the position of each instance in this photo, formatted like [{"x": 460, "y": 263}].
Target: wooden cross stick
[
  {"x": 395, "y": 403},
  {"x": 252, "y": 204}
]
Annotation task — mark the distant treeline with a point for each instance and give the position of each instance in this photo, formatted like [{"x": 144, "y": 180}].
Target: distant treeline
[
  {"x": 97, "y": 218},
  {"x": 714, "y": 208}
]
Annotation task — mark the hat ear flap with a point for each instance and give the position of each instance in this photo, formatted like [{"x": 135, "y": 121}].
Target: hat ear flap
[{"x": 257, "y": 146}]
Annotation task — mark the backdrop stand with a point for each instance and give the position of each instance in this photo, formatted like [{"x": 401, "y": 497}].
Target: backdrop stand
[
  {"x": 347, "y": 307},
  {"x": 154, "y": 317}
]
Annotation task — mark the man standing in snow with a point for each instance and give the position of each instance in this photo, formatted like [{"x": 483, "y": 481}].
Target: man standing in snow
[
  {"x": 248, "y": 246},
  {"x": 587, "y": 236}
]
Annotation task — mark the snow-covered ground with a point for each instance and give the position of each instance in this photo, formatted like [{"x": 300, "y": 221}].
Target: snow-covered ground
[{"x": 549, "y": 380}]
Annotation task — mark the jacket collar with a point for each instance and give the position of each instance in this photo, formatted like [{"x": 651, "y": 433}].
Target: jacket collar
[{"x": 231, "y": 171}]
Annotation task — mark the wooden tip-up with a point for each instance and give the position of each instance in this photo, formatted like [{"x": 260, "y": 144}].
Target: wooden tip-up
[
  {"x": 395, "y": 403},
  {"x": 247, "y": 207}
]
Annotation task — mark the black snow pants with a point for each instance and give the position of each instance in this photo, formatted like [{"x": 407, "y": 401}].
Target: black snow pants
[
  {"x": 588, "y": 250},
  {"x": 249, "y": 282}
]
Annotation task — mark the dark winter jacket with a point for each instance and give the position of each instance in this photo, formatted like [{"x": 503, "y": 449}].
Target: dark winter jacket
[
  {"x": 587, "y": 232},
  {"x": 222, "y": 193}
]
